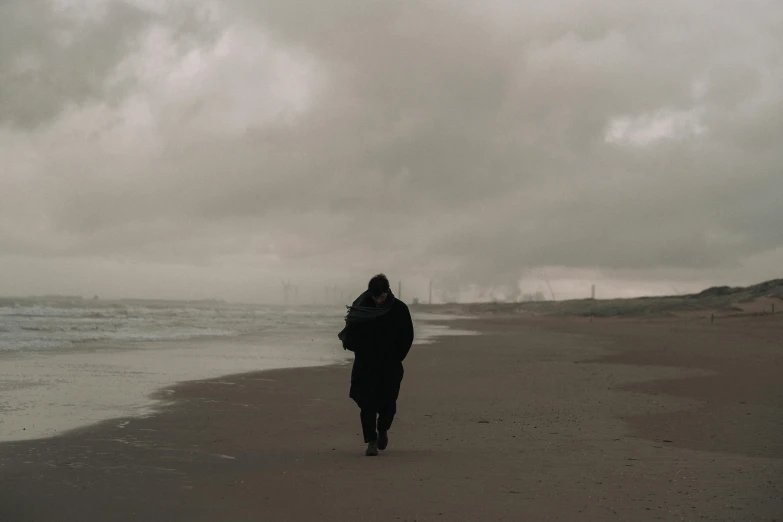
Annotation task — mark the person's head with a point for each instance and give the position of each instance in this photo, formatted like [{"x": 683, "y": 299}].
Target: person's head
[{"x": 379, "y": 288}]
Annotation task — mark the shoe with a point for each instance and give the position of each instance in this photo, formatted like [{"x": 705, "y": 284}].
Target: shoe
[
  {"x": 372, "y": 449},
  {"x": 383, "y": 440}
]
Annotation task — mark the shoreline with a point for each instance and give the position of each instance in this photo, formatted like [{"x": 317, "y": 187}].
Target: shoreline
[
  {"x": 63, "y": 391},
  {"x": 525, "y": 420}
]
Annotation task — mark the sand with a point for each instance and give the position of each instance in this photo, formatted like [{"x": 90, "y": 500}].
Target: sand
[{"x": 535, "y": 419}]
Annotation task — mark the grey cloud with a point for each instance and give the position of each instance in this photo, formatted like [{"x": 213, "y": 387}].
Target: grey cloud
[
  {"x": 456, "y": 139},
  {"x": 50, "y": 57},
  {"x": 48, "y": 60}
]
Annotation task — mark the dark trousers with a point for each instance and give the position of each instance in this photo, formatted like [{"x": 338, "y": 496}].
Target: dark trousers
[{"x": 380, "y": 418}]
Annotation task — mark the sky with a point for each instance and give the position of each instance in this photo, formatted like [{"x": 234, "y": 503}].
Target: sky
[{"x": 215, "y": 149}]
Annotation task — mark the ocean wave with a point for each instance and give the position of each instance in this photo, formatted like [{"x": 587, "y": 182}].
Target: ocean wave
[
  {"x": 47, "y": 327},
  {"x": 125, "y": 337},
  {"x": 16, "y": 345},
  {"x": 28, "y": 328}
]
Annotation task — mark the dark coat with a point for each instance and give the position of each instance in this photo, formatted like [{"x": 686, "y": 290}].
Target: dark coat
[{"x": 380, "y": 345}]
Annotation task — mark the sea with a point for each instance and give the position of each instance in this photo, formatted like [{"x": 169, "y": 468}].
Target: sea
[{"x": 68, "y": 363}]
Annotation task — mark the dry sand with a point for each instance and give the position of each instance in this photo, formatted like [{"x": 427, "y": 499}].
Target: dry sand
[{"x": 536, "y": 419}]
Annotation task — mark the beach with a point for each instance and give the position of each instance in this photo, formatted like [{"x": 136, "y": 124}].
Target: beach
[
  {"x": 68, "y": 365},
  {"x": 536, "y": 418}
]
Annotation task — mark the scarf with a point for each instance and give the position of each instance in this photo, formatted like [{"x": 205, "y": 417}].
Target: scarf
[{"x": 364, "y": 309}]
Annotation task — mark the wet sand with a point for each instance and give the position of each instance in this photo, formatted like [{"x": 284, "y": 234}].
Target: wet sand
[{"x": 536, "y": 419}]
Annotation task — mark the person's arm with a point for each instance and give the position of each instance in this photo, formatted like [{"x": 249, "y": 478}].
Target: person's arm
[
  {"x": 347, "y": 339},
  {"x": 405, "y": 333}
]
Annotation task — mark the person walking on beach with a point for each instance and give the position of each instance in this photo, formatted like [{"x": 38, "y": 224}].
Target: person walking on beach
[{"x": 379, "y": 331}]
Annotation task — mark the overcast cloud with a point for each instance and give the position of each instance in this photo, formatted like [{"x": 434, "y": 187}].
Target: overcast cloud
[{"x": 197, "y": 149}]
